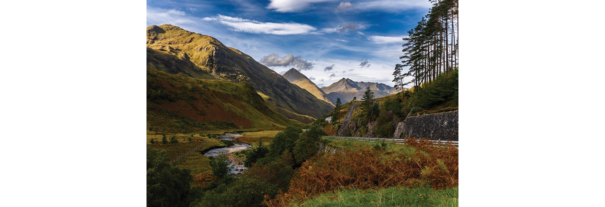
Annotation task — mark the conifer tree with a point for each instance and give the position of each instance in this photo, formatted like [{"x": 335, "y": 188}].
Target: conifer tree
[
  {"x": 431, "y": 48},
  {"x": 367, "y": 100},
  {"x": 336, "y": 110}
]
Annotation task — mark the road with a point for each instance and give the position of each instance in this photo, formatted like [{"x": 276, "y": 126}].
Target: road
[{"x": 397, "y": 141}]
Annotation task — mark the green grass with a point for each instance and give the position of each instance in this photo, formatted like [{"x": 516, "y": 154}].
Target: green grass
[
  {"x": 356, "y": 145},
  {"x": 197, "y": 162},
  {"x": 392, "y": 196},
  {"x": 181, "y": 137},
  {"x": 271, "y": 133},
  {"x": 174, "y": 150}
]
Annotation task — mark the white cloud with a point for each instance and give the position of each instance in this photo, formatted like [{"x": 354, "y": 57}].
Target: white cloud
[
  {"x": 394, "y": 6},
  {"x": 329, "y": 30},
  {"x": 343, "y": 7},
  {"x": 292, "y": 5},
  {"x": 344, "y": 27},
  {"x": 168, "y": 16},
  {"x": 386, "y": 39},
  {"x": 177, "y": 12},
  {"x": 288, "y": 60},
  {"x": 380, "y": 71},
  {"x": 389, "y": 51},
  {"x": 252, "y": 26}
]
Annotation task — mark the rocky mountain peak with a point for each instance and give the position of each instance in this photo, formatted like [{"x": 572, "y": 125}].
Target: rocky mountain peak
[{"x": 294, "y": 75}]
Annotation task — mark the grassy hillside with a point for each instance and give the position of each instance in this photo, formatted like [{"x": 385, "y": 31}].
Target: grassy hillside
[
  {"x": 178, "y": 103},
  {"x": 211, "y": 57},
  {"x": 438, "y": 96},
  {"x": 300, "y": 80}
]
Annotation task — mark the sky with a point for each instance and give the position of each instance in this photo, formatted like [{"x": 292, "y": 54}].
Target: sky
[{"x": 324, "y": 39}]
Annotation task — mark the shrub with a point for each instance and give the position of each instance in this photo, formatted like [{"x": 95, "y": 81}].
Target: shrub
[
  {"x": 164, "y": 140},
  {"x": 284, "y": 141},
  {"x": 242, "y": 192},
  {"x": 152, "y": 141},
  {"x": 287, "y": 158},
  {"x": 443, "y": 91},
  {"x": 220, "y": 166},
  {"x": 227, "y": 143},
  {"x": 275, "y": 172},
  {"x": 166, "y": 183},
  {"x": 308, "y": 144},
  {"x": 203, "y": 179},
  {"x": 255, "y": 154},
  {"x": 387, "y": 130},
  {"x": 394, "y": 105},
  {"x": 173, "y": 140},
  {"x": 373, "y": 112},
  {"x": 382, "y": 146},
  {"x": 189, "y": 139}
]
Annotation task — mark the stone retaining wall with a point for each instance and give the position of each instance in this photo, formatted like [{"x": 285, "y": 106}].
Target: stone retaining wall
[{"x": 440, "y": 126}]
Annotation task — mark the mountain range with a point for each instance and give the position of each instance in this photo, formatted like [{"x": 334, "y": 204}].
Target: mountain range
[
  {"x": 174, "y": 50},
  {"x": 346, "y": 89}
]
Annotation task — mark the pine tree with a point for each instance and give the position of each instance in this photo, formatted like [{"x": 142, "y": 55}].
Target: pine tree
[
  {"x": 431, "y": 48},
  {"x": 367, "y": 100},
  {"x": 336, "y": 110}
]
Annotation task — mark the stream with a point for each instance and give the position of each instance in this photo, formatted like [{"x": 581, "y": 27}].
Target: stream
[{"x": 236, "y": 166}]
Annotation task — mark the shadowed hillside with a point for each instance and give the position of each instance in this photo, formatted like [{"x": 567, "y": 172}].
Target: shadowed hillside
[
  {"x": 178, "y": 103},
  {"x": 212, "y": 58}
]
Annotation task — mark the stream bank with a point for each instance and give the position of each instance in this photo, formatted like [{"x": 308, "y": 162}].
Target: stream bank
[{"x": 236, "y": 165}]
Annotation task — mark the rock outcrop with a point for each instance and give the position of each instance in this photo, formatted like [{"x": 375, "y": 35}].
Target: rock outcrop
[
  {"x": 347, "y": 124},
  {"x": 438, "y": 126}
]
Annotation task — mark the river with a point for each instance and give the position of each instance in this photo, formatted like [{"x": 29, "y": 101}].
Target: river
[{"x": 236, "y": 166}]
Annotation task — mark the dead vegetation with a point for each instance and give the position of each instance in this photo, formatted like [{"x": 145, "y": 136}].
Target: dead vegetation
[{"x": 373, "y": 169}]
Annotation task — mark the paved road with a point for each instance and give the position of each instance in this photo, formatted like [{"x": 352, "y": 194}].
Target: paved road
[{"x": 398, "y": 141}]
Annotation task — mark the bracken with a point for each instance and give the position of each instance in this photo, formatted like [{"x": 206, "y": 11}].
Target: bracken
[{"x": 436, "y": 166}]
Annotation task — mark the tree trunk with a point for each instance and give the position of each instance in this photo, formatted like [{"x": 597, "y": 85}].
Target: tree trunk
[
  {"x": 447, "y": 56},
  {"x": 457, "y": 34},
  {"x": 452, "y": 43}
]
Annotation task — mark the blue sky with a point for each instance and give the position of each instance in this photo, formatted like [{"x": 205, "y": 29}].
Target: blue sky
[{"x": 325, "y": 39}]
